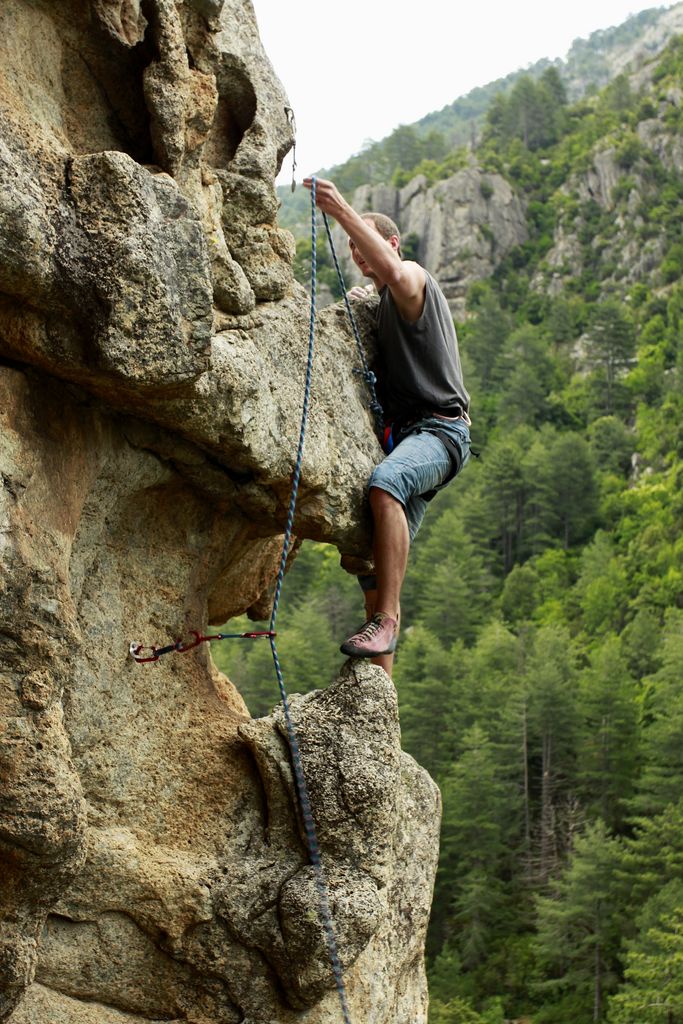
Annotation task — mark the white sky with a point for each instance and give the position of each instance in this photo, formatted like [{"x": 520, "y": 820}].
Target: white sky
[{"x": 356, "y": 69}]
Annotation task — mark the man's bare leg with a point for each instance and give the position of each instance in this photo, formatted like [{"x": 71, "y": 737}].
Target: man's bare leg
[
  {"x": 390, "y": 547},
  {"x": 391, "y": 544}
]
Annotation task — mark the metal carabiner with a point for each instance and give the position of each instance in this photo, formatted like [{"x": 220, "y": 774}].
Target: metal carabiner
[
  {"x": 135, "y": 650},
  {"x": 181, "y": 648}
]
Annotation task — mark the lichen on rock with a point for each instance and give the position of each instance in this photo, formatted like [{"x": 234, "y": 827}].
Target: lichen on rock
[{"x": 152, "y": 357}]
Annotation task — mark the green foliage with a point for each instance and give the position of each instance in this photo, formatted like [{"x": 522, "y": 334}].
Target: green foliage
[
  {"x": 607, "y": 754},
  {"x": 589, "y": 57},
  {"x": 661, "y": 782},
  {"x": 653, "y": 989},
  {"x": 450, "y": 589},
  {"x": 325, "y": 266},
  {"x": 579, "y": 924},
  {"x": 601, "y": 587},
  {"x": 432, "y": 169},
  {"x": 533, "y": 112},
  {"x": 652, "y": 857},
  {"x": 611, "y": 346},
  {"x": 401, "y": 153},
  {"x": 410, "y": 245},
  {"x": 455, "y": 1011},
  {"x": 672, "y": 265},
  {"x": 424, "y": 681},
  {"x": 319, "y": 603},
  {"x": 473, "y": 838},
  {"x": 519, "y": 596},
  {"x": 611, "y": 444},
  {"x": 670, "y": 63}
]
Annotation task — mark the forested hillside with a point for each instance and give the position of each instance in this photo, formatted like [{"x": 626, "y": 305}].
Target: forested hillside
[
  {"x": 590, "y": 64},
  {"x": 539, "y": 671}
]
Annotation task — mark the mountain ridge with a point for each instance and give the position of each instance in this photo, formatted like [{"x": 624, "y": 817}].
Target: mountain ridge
[{"x": 590, "y": 63}]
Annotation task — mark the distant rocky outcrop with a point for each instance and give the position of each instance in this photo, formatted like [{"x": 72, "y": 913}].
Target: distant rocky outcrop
[
  {"x": 461, "y": 227},
  {"x": 152, "y": 350},
  {"x": 613, "y": 51},
  {"x": 608, "y": 174}
]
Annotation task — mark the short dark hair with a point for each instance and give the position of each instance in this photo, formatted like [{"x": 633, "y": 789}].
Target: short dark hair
[{"x": 384, "y": 225}]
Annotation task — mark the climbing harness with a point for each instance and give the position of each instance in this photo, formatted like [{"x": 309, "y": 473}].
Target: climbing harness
[
  {"x": 398, "y": 429},
  {"x": 139, "y": 652}
]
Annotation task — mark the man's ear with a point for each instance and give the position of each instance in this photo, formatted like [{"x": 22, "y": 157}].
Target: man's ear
[{"x": 395, "y": 243}]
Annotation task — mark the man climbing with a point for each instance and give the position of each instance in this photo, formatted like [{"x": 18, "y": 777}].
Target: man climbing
[{"x": 425, "y": 403}]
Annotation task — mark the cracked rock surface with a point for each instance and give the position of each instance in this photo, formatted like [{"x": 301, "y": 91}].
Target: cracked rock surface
[{"x": 152, "y": 357}]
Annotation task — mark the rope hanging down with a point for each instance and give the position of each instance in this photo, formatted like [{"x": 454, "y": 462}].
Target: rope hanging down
[
  {"x": 367, "y": 374},
  {"x": 302, "y": 788},
  {"x": 139, "y": 651}
]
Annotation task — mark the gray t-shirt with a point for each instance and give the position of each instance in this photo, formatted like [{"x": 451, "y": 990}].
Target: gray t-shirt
[{"x": 418, "y": 365}]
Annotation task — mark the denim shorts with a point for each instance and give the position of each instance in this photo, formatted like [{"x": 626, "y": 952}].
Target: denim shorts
[{"x": 420, "y": 463}]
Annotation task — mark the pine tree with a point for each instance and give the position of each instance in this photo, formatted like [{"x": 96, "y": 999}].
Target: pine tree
[
  {"x": 540, "y": 517},
  {"x": 653, "y": 989},
  {"x": 654, "y": 853},
  {"x": 608, "y": 739},
  {"x": 525, "y": 370},
  {"x": 484, "y": 339},
  {"x": 611, "y": 444},
  {"x": 640, "y": 643},
  {"x": 552, "y": 725},
  {"x": 661, "y": 782},
  {"x": 573, "y": 487},
  {"x": 429, "y": 694},
  {"x": 520, "y": 594},
  {"x": 476, "y": 820},
  {"x": 602, "y": 587},
  {"x": 450, "y": 589},
  {"x": 611, "y": 339},
  {"x": 579, "y": 925},
  {"x": 502, "y": 489}
]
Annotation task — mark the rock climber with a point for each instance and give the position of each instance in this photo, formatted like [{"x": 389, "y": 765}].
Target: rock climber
[{"x": 425, "y": 403}]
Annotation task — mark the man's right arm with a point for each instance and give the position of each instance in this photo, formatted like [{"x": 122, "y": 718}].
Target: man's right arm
[
  {"x": 406, "y": 281},
  {"x": 368, "y": 242}
]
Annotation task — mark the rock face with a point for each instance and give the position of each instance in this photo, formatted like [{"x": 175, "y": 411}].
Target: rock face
[
  {"x": 603, "y": 184},
  {"x": 152, "y": 351},
  {"x": 462, "y": 226},
  {"x": 591, "y": 65}
]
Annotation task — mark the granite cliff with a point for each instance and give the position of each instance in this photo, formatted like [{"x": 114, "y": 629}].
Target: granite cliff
[
  {"x": 462, "y": 226},
  {"x": 152, "y": 347}
]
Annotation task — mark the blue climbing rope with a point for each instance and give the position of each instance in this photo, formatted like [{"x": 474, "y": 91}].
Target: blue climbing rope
[
  {"x": 302, "y": 788},
  {"x": 366, "y": 373}
]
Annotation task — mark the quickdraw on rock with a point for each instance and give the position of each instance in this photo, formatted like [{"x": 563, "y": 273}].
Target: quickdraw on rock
[{"x": 138, "y": 651}]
